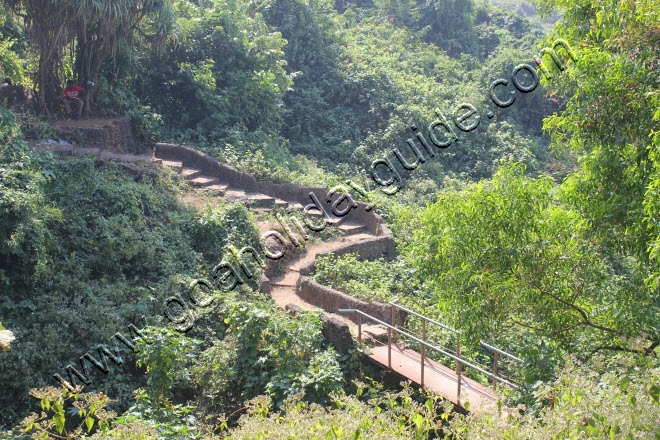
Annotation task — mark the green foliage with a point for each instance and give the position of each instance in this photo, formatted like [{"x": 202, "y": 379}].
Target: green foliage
[
  {"x": 155, "y": 419},
  {"x": 611, "y": 121},
  {"x": 449, "y": 25},
  {"x": 165, "y": 355},
  {"x": 508, "y": 253},
  {"x": 376, "y": 280},
  {"x": 11, "y": 65},
  {"x": 89, "y": 407},
  {"x": 390, "y": 416},
  {"x": 580, "y": 403},
  {"x": 102, "y": 247},
  {"x": 280, "y": 354},
  {"x": 226, "y": 70}
]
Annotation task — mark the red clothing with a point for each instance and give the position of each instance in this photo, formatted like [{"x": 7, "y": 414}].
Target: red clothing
[{"x": 73, "y": 91}]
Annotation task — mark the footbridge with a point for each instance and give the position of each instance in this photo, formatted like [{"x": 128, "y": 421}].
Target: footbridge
[{"x": 411, "y": 361}]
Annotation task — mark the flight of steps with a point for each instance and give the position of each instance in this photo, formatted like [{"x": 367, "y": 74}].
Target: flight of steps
[
  {"x": 197, "y": 179},
  {"x": 283, "y": 286}
]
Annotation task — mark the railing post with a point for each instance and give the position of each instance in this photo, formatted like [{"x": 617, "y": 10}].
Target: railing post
[
  {"x": 389, "y": 347},
  {"x": 393, "y": 320},
  {"x": 359, "y": 328},
  {"x": 423, "y": 348},
  {"x": 458, "y": 368},
  {"x": 495, "y": 370}
]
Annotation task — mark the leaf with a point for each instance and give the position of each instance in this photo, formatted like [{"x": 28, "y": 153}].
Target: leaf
[
  {"x": 654, "y": 391},
  {"x": 90, "y": 423},
  {"x": 59, "y": 423}
]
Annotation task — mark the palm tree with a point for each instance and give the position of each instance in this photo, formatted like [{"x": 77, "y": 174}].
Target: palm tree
[
  {"x": 96, "y": 27},
  {"x": 101, "y": 25}
]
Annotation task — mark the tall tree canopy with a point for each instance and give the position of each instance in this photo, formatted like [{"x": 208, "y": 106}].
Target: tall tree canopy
[
  {"x": 95, "y": 27},
  {"x": 578, "y": 263},
  {"x": 612, "y": 120}
]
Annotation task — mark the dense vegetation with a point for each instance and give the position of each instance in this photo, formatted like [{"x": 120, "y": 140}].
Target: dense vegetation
[{"x": 537, "y": 231}]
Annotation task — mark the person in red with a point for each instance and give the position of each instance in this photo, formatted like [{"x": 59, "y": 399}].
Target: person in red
[{"x": 72, "y": 96}]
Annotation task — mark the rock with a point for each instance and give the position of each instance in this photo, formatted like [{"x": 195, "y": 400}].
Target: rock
[{"x": 20, "y": 99}]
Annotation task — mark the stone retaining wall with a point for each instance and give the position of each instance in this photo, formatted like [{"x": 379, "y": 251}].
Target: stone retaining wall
[
  {"x": 332, "y": 300},
  {"x": 321, "y": 296},
  {"x": 366, "y": 250},
  {"x": 114, "y": 135}
]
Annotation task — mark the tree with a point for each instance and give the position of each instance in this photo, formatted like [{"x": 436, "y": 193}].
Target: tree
[
  {"x": 101, "y": 26},
  {"x": 612, "y": 121},
  {"x": 96, "y": 27},
  {"x": 507, "y": 254}
]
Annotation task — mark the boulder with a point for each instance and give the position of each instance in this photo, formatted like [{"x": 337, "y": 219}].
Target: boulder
[{"x": 20, "y": 99}]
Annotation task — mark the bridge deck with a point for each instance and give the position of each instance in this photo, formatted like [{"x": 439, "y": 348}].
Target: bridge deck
[{"x": 437, "y": 377}]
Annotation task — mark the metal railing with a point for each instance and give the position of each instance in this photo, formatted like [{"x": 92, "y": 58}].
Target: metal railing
[
  {"x": 424, "y": 344},
  {"x": 496, "y": 351}
]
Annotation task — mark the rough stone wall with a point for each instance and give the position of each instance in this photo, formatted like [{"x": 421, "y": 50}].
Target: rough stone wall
[
  {"x": 127, "y": 142},
  {"x": 114, "y": 135},
  {"x": 332, "y": 300},
  {"x": 20, "y": 99},
  {"x": 334, "y": 331},
  {"x": 366, "y": 250}
]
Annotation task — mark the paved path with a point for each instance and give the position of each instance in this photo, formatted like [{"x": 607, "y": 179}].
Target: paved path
[{"x": 405, "y": 362}]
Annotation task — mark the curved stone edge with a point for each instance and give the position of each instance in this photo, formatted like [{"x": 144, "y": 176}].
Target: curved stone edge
[
  {"x": 332, "y": 300},
  {"x": 326, "y": 298}
]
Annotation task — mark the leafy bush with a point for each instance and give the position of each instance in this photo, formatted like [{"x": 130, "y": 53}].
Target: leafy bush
[
  {"x": 101, "y": 247},
  {"x": 266, "y": 350},
  {"x": 506, "y": 254},
  {"x": 579, "y": 403},
  {"x": 377, "y": 280},
  {"x": 403, "y": 418}
]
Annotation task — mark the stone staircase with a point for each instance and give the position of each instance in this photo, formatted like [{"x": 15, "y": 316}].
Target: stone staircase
[
  {"x": 255, "y": 200},
  {"x": 361, "y": 230}
]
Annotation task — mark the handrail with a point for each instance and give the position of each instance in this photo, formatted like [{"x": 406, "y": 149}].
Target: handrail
[
  {"x": 504, "y": 353},
  {"x": 449, "y": 355},
  {"x": 488, "y": 346},
  {"x": 393, "y": 303}
]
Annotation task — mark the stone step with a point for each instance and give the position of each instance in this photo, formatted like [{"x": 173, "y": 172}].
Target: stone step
[
  {"x": 191, "y": 173},
  {"x": 358, "y": 237},
  {"x": 235, "y": 195},
  {"x": 178, "y": 166},
  {"x": 203, "y": 181},
  {"x": 290, "y": 279},
  {"x": 260, "y": 200},
  {"x": 218, "y": 189},
  {"x": 279, "y": 203},
  {"x": 377, "y": 332},
  {"x": 351, "y": 228},
  {"x": 332, "y": 220}
]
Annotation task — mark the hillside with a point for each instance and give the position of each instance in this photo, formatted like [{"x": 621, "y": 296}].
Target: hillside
[{"x": 258, "y": 199}]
